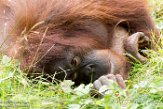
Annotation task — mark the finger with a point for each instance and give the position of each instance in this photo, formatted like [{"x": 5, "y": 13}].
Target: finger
[
  {"x": 141, "y": 34},
  {"x": 104, "y": 80},
  {"x": 120, "y": 81},
  {"x": 97, "y": 85},
  {"x": 111, "y": 77}
]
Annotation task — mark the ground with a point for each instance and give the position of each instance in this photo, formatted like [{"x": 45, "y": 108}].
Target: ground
[{"x": 144, "y": 86}]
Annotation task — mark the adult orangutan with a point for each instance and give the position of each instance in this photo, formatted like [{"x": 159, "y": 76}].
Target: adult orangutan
[{"x": 81, "y": 40}]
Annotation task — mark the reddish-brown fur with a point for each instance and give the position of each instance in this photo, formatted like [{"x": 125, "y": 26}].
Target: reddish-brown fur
[{"x": 43, "y": 31}]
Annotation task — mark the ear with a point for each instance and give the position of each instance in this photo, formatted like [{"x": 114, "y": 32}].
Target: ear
[
  {"x": 120, "y": 33},
  {"x": 124, "y": 24}
]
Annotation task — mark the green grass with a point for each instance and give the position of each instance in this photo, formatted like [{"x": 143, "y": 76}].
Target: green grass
[{"x": 144, "y": 86}]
